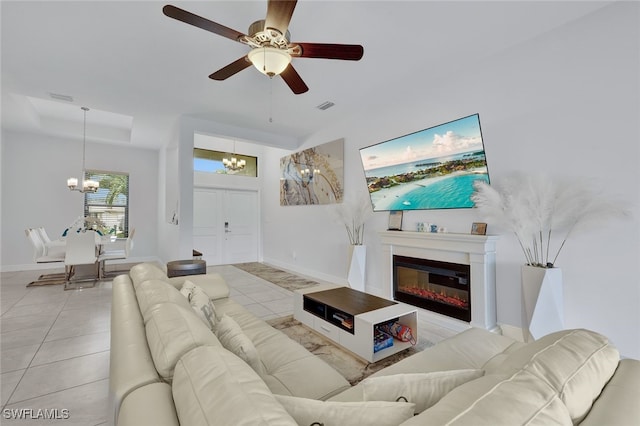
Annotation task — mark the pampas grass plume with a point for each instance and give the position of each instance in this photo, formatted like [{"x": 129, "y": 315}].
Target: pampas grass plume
[{"x": 536, "y": 207}]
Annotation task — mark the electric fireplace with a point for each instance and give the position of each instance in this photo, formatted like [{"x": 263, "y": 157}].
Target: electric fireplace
[{"x": 441, "y": 287}]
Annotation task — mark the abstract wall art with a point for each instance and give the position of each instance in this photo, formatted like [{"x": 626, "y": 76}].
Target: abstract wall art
[{"x": 313, "y": 176}]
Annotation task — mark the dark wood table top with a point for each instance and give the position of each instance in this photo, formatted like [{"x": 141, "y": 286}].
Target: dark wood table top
[{"x": 350, "y": 301}]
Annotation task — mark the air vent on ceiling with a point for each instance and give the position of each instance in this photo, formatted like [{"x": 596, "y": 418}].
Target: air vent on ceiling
[
  {"x": 60, "y": 97},
  {"x": 325, "y": 105}
]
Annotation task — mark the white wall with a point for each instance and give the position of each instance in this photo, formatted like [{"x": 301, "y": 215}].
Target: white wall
[
  {"x": 565, "y": 104},
  {"x": 35, "y": 169}
]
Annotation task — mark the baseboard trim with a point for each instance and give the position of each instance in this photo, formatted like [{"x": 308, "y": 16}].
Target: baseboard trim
[{"x": 296, "y": 269}]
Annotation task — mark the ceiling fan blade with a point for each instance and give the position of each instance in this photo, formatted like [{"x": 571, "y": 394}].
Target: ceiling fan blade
[
  {"x": 348, "y": 52},
  {"x": 293, "y": 80},
  {"x": 279, "y": 14},
  {"x": 200, "y": 22},
  {"x": 231, "y": 69}
]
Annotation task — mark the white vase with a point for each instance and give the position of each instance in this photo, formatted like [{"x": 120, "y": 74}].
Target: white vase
[
  {"x": 542, "y": 301},
  {"x": 357, "y": 267}
]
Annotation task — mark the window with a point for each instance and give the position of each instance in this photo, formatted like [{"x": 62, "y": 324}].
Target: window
[
  {"x": 205, "y": 160},
  {"x": 108, "y": 207}
]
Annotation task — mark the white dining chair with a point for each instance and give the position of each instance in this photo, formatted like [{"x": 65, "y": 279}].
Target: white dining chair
[
  {"x": 40, "y": 252},
  {"x": 57, "y": 245},
  {"x": 118, "y": 254},
  {"x": 81, "y": 250}
]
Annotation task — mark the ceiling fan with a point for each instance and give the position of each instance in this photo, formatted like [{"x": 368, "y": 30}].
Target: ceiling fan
[{"x": 271, "y": 49}]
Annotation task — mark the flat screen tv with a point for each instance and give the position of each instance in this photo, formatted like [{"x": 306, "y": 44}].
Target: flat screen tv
[{"x": 434, "y": 168}]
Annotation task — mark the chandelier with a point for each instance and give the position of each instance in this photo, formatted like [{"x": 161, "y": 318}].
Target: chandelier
[
  {"x": 88, "y": 185},
  {"x": 233, "y": 164}
]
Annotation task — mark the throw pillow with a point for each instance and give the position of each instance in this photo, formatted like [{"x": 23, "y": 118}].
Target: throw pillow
[
  {"x": 313, "y": 412},
  {"x": 200, "y": 303},
  {"x": 187, "y": 289},
  {"x": 422, "y": 389},
  {"x": 234, "y": 340}
]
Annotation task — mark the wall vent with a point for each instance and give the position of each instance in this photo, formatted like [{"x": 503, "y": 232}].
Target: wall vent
[
  {"x": 60, "y": 97},
  {"x": 325, "y": 105}
]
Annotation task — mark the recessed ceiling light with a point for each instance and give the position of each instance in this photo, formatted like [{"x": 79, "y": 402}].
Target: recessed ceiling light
[
  {"x": 60, "y": 97},
  {"x": 325, "y": 105}
]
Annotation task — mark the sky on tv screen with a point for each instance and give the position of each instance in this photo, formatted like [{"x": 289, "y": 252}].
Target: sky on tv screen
[{"x": 434, "y": 168}]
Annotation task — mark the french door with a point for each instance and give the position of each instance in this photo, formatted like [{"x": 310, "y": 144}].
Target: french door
[{"x": 225, "y": 225}]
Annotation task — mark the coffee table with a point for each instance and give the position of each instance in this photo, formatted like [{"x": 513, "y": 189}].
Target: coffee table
[{"x": 350, "y": 318}]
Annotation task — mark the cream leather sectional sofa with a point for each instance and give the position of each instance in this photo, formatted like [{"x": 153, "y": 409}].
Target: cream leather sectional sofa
[{"x": 168, "y": 368}]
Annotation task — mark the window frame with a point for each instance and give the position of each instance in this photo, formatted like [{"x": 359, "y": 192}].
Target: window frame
[{"x": 87, "y": 204}]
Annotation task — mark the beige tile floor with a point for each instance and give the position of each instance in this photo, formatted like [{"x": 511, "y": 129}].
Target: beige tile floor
[{"x": 54, "y": 344}]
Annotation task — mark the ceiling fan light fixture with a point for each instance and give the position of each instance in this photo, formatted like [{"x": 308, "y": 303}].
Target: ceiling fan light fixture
[{"x": 270, "y": 61}]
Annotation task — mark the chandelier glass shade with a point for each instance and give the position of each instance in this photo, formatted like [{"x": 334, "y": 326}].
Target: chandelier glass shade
[
  {"x": 88, "y": 185},
  {"x": 233, "y": 163},
  {"x": 270, "y": 61}
]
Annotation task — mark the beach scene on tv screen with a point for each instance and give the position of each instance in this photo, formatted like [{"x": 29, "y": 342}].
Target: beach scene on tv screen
[{"x": 434, "y": 168}]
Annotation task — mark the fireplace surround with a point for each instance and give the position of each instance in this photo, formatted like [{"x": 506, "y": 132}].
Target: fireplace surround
[{"x": 475, "y": 251}]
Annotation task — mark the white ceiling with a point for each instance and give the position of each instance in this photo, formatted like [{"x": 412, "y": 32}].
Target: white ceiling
[{"x": 130, "y": 63}]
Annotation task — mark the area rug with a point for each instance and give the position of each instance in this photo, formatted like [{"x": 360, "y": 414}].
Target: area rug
[
  {"x": 353, "y": 369},
  {"x": 278, "y": 277}
]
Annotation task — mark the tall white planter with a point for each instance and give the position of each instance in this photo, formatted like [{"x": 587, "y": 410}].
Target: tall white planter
[
  {"x": 357, "y": 267},
  {"x": 542, "y": 301}
]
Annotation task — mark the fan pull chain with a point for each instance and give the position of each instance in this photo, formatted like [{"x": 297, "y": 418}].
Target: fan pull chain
[
  {"x": 264, "y": 60},
  {"x": 271, "y": 100}
]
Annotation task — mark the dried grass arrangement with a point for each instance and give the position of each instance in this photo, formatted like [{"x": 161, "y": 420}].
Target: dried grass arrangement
[
  {"x": 353, "y": 213},
  {"x": 538, "y": 209}
]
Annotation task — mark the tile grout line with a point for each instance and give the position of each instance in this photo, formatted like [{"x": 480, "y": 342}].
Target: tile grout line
[
  {"x": 58, "y": 391},
  {"x": 37, "y": 350},
  {"x": 34, "y": 355}
]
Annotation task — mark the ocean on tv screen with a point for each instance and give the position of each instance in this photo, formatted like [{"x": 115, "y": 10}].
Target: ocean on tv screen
[{"x": 443, "y": 192}]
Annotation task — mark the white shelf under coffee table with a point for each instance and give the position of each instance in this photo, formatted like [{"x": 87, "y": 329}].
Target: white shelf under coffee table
[{"x": 315, "y": 306}]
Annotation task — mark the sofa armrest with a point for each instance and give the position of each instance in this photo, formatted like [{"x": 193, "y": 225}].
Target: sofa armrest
[
  {"x": 130, "y": 365},
  {"x": 149, "y": 405},
  {"x": 213, "y": 284},
  {"x": 618, "y": 401}
]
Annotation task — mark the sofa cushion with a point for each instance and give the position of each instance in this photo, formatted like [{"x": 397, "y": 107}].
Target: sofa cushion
[
  {"x": 172, "y": 331},
  {"x": 470, "y": 349},
  {"x": 146, "y": 271},
  {"x": 233, "y": 339},
  {"x": 200, "y": 303},
  {"x": 618, "y": 402},
  {"x": 497, "y": 400},
  {"x": 283, "y": 358},
  {"x": 576, "y": 363},
  {"x": 212, "y": 386},
  {"x": 312, "y": 412},
  {"x": 154, "y": 292},
  {"x": 422, "y": 389}
]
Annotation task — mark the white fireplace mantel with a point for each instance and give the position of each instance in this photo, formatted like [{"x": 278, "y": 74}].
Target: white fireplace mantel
[{"x": 477, "y": 251}]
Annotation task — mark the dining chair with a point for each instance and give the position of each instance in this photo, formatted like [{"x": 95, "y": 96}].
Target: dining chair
[
  {"x": 119, "y": 254},
  {"x": 81, "y": 250},
  {"x": 40, "y": 252},
  {"x": 50, "y": 244}
]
